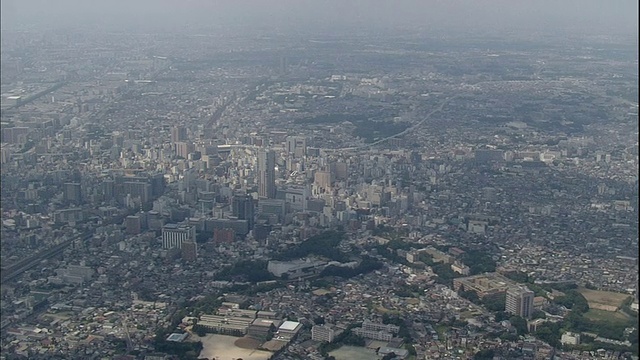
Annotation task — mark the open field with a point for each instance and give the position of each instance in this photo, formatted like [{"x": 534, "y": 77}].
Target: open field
[
  {"x": 353, "y": 353},
  {"x": 222, "y": 347},
  {"x": 603, "y": 300},
  {"x": 606, "y": 316}
]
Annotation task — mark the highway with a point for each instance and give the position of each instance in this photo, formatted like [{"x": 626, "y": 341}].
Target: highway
[
  {"x": 407, "y": 130},
  {"x": 14, "y": 270}
]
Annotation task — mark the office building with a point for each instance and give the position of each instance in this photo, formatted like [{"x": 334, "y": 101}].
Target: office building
[
  {"x": 189, "y": 251},
  {"x": 340, "y": 170},
  {"x": 133, "y": 225},
  {"x": 261, "y": 231},
  {"x": 178, "y": 133},
  {"x": 184, "y": 148},
  {"x": 174, "y": 235},
  {"x": 107, "y": 189},
  {"x": 243, "y": 208},
  {"x": 266, "y": 174},
  {"x": 519, "y": 302},
  {"x": 296, "y": 146},
  {"x": 72, "y": 193},
  {"x": 240, "y": 227},
  {"x": 323, "y": 180},
  {"x": 223, "y": 235},
  {"x": 137, "y": 189}
]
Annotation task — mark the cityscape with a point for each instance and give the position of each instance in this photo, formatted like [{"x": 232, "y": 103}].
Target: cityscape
[{"x": 371, "y": 192}]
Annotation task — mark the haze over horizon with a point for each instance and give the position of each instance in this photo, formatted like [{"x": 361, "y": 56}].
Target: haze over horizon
[{"x": 593, "y": 17}]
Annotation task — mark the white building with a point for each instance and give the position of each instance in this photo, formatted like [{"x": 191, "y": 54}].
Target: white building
[
  {"x": 295, "y": 268},
  {"x": 174, "y": 235},
  {"x": 519, "y": 301},
  {"x": 322, "y": 333}
]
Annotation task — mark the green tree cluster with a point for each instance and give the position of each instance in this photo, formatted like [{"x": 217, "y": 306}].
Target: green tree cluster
[
  {"x": 478, "y": 261},
  {"x": 321, "y": 245}
]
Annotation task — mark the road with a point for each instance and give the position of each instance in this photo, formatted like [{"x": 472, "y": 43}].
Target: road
[
  {"x": 32, "y": 261},
  {"x": 407, "y": 130}
]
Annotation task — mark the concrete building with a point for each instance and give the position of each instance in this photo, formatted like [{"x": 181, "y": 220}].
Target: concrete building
[
  {"x": 296, "y": 268},
  {"x": 178, "y": 133},
  {"x": 262, "y": 328},
  {"x": 236, "y": 326},
  {"x": 243, "y": 209},
  {"x": 372, "y": 334},
  {"x": 323, "y": 333},
  {"x": 272, "y": 207},
  {"x": 189, "y": 251},
  {"x": 519, "y": 302},
  {"x": 323, "y": 180},
  {"x": 133, "y": 225},
  {"x": 173, "y": 235},
  {"x": 266, "y": 174},
  {"x": 72, "y": 193},
  {"x": 487, "y": 284},
  {"x": 289, "y": 329},
  {"x": 375, "y": 331},
  {"x": 223, "y": 235},
  {"x": 296, "y": 145}
]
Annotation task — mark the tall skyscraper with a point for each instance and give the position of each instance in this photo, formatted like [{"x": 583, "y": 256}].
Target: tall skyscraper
[
  {"x": 72, "y": 193},
  {"x": 296, "y": 145},
  {"x": 519, "y": 302},
  {"x": 178, "y": 133},
  {"x": 267, "y": 174},
  {"x": 243, "y": 208}
]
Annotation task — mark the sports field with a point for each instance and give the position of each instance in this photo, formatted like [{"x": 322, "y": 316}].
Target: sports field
[
  {"x": 354, "y": 353},
  {"x": 603, "y": 300},
  {"x": 223, "y": 347},
  {"x": 606, "y": 316}
]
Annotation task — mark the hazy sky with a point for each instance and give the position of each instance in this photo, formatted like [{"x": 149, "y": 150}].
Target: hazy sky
[{"x": 595, "y": 16}]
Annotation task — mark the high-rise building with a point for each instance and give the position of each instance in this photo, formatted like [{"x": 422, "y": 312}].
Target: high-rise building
[
  {"x": 158, "y": 184},
  {"x": 275, "y": 207},
  {"x": 107, "y": 189},
  {"x": 243, "y": 209},
  {"x": 267, "y": 174},
  {"x": 296, "y": 145},
  {"x": 283, "y": 65},
  {"x": 184, "y": 148},
  {"x": 223, "y": 235},
  {"x": 340, "y": 170},
  {"x": 189, "y": 251},
  {"x": 323, "y": 179},
  {"x": 173, "y": 235},
  {"x": 519, "y": 301},
  {"x": 133, "y": 225},
  {"x": 72, "y": 193},
  {"x": 178, "y": 133},
  {"x": 137, "y": 189}
]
